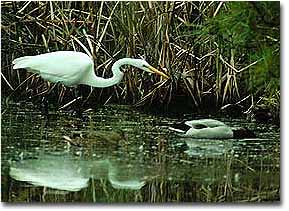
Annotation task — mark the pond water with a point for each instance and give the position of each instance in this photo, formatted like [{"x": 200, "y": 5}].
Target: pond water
[{"x": 123, "y": 155}]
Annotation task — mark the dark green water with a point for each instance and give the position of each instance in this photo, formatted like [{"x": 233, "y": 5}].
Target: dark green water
[{"x": 121, "y": 155}]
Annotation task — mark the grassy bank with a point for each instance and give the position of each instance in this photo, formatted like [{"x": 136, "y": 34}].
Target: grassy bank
[{"x": 219, "y": 55}]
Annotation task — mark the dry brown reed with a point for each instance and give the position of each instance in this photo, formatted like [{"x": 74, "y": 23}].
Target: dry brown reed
[{"x": 166, "y": 34}]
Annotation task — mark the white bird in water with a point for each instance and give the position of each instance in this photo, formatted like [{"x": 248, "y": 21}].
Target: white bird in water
[{"x": 210, "y": 129}]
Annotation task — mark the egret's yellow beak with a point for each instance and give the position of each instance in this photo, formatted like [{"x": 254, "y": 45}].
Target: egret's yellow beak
[{"x": 156, "y": 71}]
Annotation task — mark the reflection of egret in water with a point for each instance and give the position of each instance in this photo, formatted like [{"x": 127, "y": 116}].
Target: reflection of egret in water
[
  {"x": 120, "y": 181},
  {"x": 53, "y": 171},
  {"x": 69, "y": 174}
]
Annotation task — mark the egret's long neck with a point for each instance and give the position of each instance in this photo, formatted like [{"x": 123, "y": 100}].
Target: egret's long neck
[{"x": 96, "y": 81}]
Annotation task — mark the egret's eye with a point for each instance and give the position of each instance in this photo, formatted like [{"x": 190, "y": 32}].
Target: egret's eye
[{"x": 144, "y": 65}]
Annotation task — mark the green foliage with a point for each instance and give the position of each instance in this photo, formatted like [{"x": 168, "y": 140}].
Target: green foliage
[
  {"x": 265, "y": 73},
  {"x": 251, "y": 30}
]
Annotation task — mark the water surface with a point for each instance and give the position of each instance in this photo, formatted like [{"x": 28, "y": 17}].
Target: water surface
[{"x": 123, "y": 155}]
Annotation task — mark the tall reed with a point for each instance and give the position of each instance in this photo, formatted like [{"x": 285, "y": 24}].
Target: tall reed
[{"x": 190, "y": 41}]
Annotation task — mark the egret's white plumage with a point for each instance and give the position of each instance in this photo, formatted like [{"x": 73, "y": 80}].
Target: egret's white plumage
[{"x": 72, "y": 68}]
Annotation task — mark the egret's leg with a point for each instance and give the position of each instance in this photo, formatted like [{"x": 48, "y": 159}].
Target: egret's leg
[
  {"x": 61, "y": 95},
  {"x": 44, "y": 105},
  {"x": 78, "y": 104}
]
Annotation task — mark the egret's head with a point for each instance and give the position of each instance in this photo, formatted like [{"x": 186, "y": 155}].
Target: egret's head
[{"x": 142, "y": 64}]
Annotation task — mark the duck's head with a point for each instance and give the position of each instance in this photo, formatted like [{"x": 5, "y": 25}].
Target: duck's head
[
  {"x": 263, "y": 115},
  {"x": 243, "y": 133}
]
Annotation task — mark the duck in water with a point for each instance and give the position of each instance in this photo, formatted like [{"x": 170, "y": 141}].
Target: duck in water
[{"x": 210, "y": 129}]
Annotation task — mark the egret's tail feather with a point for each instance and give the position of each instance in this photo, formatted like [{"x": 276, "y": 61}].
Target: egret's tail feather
[{"x": 22, "y": 62}]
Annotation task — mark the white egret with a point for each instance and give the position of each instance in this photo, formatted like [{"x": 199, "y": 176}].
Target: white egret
[
  {"x": 72, "y": 68},
  {"x": 211, "y": 129}
]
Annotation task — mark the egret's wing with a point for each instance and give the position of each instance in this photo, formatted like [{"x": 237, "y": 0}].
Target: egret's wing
[
  {"x": 60, "y": 66},
  {"x": 203, "y": 123}
]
